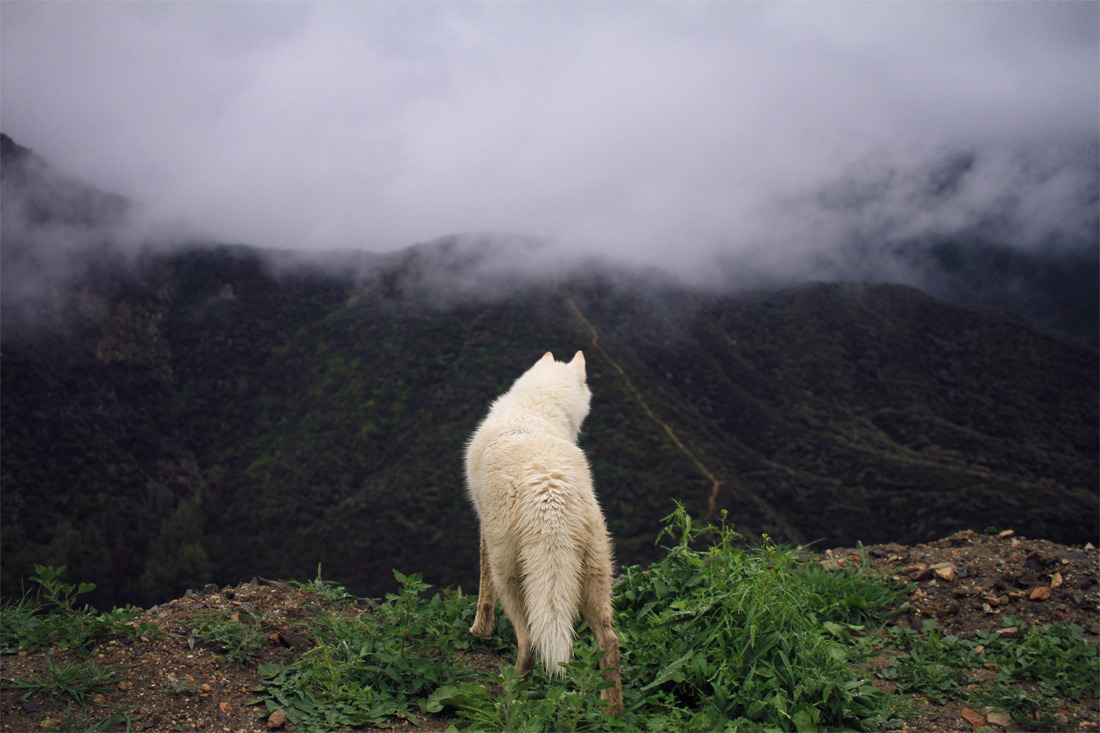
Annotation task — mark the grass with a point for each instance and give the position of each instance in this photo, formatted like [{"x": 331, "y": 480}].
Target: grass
[
  {"x": 52, "y": 616},
  {"x": 239, "y": 636},
  {"x": 1050, "y": 661},
  {"x": 367, "y": 670},
  {"x": 80, "y": 681},
  {"x": 750, "y": 639},
  {"x": 714, "y": 637}
]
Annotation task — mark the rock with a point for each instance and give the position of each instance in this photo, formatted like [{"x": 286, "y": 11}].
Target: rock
[
  {"x": 292, "y": 640},
  {"x": 972, "y": 717},
  {"x": 1040, "y": 594},
  {"x": 944, "y": 570},
  {"x": 276, "y": 720},
  {"x": 961, "y": 538},
  {"x": 999, "y": 718},
  {"x": 1006, "y": 533},
  {"x": 1056, "y": 580},
  {"x": 1037, "y": 560},
  {"x": 919, "y": 572}
]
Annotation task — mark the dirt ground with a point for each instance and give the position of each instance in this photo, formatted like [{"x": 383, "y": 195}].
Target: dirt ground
[
  {"x": 968, "y": 582},
  {"x": 167, "y": 682}
]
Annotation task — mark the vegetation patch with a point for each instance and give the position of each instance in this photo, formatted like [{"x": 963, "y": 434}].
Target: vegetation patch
[{"x": 716, "y": 635}]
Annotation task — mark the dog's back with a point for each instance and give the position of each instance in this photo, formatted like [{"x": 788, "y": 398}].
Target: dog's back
[{"x": 543, "y": 536}]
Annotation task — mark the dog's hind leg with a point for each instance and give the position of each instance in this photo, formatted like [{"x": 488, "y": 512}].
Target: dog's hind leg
[
  {"x": 597, "y": 609},
  {"x": 486, "y": 598},
  {"x": 510, "y": 591}
]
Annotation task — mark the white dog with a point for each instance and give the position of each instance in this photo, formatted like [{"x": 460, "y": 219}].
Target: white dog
[{"x": 544, "y": 544}]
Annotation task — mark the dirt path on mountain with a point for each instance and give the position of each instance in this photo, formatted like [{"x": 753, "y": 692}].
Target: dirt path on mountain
[{"x": 594, "y": 339}]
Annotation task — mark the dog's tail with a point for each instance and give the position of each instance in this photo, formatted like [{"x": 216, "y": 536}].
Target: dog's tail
[{"x": 551, "y": 557}]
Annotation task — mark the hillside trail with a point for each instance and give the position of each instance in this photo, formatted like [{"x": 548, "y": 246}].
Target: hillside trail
[{"x": 594, "y": 339}]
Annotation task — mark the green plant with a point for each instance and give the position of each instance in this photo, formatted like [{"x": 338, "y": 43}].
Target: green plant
[
  {"x": 19, "y": 624},
  {"x": 238, "y": 635},
  {"x": 1057, "y": 657},
  {"x": 365, "y": 671},
  {"x": 55, "y": 618},
  {"x": 72, "y": 723},
  {"x": 80, "y": 681},
  {"x": 1038, "y": 710},
  {"x": 934, "y": 665},
  {"x": 329, "y": 591},
  {"x": 849, "y": 597},
  {"x": 739, "y": 638},
  {"x": 570, "y": 704}
]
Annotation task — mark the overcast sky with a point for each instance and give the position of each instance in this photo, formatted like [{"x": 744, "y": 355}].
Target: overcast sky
[{"x": 655, "y": 132}]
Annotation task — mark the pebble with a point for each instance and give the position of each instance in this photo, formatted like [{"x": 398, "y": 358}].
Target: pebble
[
  {"x": 944, "y": 570},
  {"x": 276, "y": 720}
]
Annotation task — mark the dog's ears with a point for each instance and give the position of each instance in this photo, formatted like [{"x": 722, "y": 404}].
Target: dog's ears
[{"x": 578, "y": 363}]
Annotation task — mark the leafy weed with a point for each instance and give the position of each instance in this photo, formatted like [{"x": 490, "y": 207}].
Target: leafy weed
[
  {"x": 54, "y": 617},
  {"x": 80, "y": 681}
]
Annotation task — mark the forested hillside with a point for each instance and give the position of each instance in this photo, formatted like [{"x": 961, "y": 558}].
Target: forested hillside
[{"x": 212, "y": 413}]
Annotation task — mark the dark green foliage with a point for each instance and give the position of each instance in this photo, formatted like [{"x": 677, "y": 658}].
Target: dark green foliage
[
  {"x": 726, "y": 636},
  {"x": 80, "y": 681},
  {"x": 935, "y": 665},
  {"x": 52, "y": 617},
  {"x": 711, "y": 637},
  {"x": 1036, "y": 707},
  {"x": 217, "y": 418},
  {"x": 239, "y": 636},
  {"x": 368, "y": 670},
  {"x": 534, "y": 703},
  {"x": 714, "y": 637},
  {"x": 1057, "y": 659}
]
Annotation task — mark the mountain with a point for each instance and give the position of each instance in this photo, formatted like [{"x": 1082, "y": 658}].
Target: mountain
[{"x": 210, "y": 412}]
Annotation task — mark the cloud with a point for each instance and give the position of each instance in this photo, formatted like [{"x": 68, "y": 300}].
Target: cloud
[{"x": 658, "y": 133}]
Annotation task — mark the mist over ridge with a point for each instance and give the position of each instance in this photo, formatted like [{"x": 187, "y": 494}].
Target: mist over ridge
[
  {"x": 662, "y": 135},
  {"x": 950, "y": 228}
]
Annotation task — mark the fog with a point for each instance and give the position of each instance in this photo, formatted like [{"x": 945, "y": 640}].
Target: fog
[{"x": 655, "y": 134}]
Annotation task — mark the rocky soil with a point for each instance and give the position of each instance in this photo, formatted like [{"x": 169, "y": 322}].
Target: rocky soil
[{"x": 967, "y": 582}]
